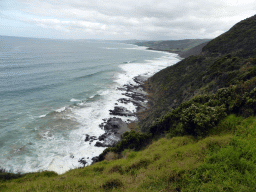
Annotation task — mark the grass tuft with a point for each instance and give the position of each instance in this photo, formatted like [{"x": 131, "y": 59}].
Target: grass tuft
[{"x": 112, "y": 183}]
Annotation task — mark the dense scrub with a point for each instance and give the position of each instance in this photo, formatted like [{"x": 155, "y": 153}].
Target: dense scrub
[
  {"x": 130, "y": 140},
  {"x": 240, "y": 39},
  {"x": 6, "y": 175},
  {"x": 199, "y": 115},
  {"x": 220, "y": 65}
]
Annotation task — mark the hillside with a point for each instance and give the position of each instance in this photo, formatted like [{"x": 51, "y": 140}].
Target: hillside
[
  {"x": 199, "y": 134},
  {"x": 184, "y": 48},
  {"x": 206, "y": 72}
]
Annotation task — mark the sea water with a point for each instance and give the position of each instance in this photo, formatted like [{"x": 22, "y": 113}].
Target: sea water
[{"x": 54, "y": 92}]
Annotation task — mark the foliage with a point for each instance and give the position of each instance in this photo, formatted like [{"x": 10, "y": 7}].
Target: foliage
[
  {"x": 227, "y": 60},
  {"x": 112, "y": 183},
  {"x": 199, "y": 115},
  {"x": 6, "y": 175},
  {"x": 239, "y": 39},
  {"x": 231, "y": 168},
  {"x": 198, "y": 119},
  {"x": 130, "y": 140},
  {"x": 150, "y": 169}
]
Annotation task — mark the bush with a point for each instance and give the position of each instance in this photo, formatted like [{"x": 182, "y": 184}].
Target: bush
[
  {"x": 130, "y": 140},
  {"x": 198, "y": 119},
  {"x": 200, "y": 114},
  {"x": 6, "y": 175}
]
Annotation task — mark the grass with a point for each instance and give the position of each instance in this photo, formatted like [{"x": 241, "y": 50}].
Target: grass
[
  {"x": 231, "y": 168},
  {"x": 223, "y": 161},
  {"x": 152, "y": 169}
]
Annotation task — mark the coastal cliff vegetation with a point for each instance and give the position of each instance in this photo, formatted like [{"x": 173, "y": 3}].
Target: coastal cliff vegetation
[{"x": 198, "y": 134}]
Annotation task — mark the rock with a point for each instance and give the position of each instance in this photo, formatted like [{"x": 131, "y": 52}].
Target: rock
[
  {"x": 124, "y": 100},
  {"x": 95, "y": 159},
  {"x": 90, "y": 138},
  {"x": 102, "y": 137},
  {"x": 121, "y": 111},
  {"x": 114, "y": 124},
  {"x": 101, "y": 125},
  {"x": 82, "y": 161},
  {"x": 115, "y": 127},
  {"x": 87, "y": 138},
  {"x": 99, "y": 144}
]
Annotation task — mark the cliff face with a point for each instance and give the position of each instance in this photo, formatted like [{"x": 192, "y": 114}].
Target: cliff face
[{"x": 224, "y": 61}]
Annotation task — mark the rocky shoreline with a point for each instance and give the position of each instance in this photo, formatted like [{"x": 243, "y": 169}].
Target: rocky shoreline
[{"x": 114, "y": 127}]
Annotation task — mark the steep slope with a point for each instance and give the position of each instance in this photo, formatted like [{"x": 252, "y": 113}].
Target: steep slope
[
  {"x": 193, "y": 51},
  {"x": 239, "y": 40},
  {"x": 224, "y": 61}
]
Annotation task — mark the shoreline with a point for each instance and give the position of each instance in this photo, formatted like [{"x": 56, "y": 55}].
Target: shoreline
[
  {"x": 141, "y": 95},
  {"x": 184, "y": 54},
  {"x": 114, "y": 127}
]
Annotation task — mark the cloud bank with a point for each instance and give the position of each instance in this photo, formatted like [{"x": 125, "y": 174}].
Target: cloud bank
[{"x": 119, "y": 19}]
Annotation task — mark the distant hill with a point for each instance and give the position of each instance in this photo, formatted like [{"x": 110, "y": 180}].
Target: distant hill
[
  {"x": 193, "y": 51},
  {"x": 182, "y": 47}
]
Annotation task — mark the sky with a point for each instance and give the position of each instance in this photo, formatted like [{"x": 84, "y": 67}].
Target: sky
[{"x": 122, "y": 19}]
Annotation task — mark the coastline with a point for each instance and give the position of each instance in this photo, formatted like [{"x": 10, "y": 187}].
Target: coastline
[
  {"x": 75, "y": 124},
  {"x": 184, "y": 54},
  {"x": 114, "y": 126},
  {"x": 141, "y": 96}
]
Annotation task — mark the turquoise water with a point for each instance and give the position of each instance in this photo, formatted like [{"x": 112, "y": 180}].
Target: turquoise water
[{"x": 53, "y": 92}]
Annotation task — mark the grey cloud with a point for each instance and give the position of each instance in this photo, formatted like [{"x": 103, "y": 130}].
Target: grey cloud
[{"x": 158, "y": 19}]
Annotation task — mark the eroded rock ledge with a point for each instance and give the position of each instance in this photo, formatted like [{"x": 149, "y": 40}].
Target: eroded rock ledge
[{"x": 114, "y": 127}]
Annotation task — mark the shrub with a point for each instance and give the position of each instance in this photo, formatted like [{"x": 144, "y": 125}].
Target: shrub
[
  {"x": 6, "y": 175},
  {"x": 130, "y": 140},
  {"x": 198, "y": 119},
  {"x": 111, "y": 184}
]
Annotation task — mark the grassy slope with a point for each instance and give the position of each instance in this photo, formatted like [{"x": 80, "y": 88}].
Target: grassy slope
[
  {"x": 151, "y": 169},
  {"x": 223, "y": 161}
]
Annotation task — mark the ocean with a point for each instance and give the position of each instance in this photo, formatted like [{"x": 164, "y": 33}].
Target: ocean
[{"x": 54, "y": 92}]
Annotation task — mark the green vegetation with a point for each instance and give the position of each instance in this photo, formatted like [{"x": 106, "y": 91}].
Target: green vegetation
[
  {"x": 225, "y": 160},
  {"x": 203, "y": 74},
  {"x": 240, "y": 39},
  {"x": 199, "y": 134},
  {"x": 199, "y": 115},
  {"x": 130, "y": 140},
  {"x": 231, "y": 168}
]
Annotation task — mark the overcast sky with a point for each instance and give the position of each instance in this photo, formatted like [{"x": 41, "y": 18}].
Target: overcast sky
[{"x": 122, "y": 19}]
